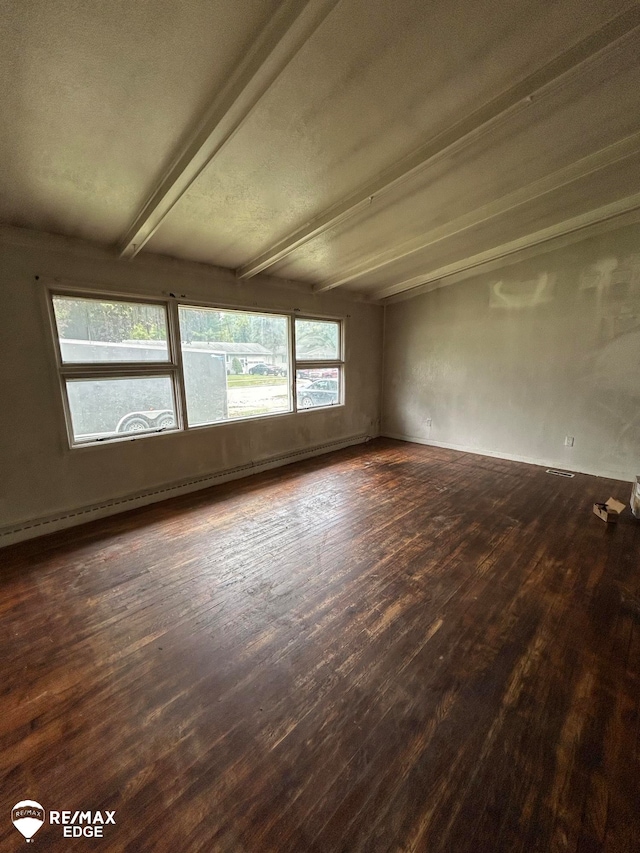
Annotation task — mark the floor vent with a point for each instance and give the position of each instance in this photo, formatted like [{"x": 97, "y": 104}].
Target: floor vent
[{"x": 559, "y": 473}]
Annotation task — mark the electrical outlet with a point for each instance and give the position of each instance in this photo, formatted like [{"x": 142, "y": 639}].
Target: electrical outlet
[
  {"x": 428, "y": 422},
  {"x": 568, "y": 441}
]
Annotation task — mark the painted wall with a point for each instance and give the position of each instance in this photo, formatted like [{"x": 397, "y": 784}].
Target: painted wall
[
  {"x": 40, "y": 476},
  {"x": 512, "y": 361}
]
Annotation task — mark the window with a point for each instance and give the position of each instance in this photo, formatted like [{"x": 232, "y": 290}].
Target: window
[
  {"x": 115, "y": 366},
  {"x": 132, "y": 367},
  {"x": 92, "y": 330},
  {"x": 319, "y": 363},
  {"x": 236, "y": 364}
]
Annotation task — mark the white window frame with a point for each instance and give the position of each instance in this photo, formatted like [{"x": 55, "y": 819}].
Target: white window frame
[
  {"x": 172, "y": 368},
  {"x": 116, "y": 370},
  {"x": 321, "y": 363},
  {"x": 183, "y": 303}
]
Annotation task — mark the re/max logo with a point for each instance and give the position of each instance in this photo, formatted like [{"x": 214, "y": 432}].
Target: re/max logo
[
  {"x": 76, "y": 824},
  {"x": 82, "y": 817}
]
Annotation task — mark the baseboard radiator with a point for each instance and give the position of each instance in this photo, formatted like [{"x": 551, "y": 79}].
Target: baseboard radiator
[{"x": 49, "y": 524}]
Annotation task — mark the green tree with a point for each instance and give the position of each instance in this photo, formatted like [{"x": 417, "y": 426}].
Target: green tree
[
  {"x": 147, "y": 332},
  {"x": 316, "y": 339},
  {"x": 90, "y": 320}
]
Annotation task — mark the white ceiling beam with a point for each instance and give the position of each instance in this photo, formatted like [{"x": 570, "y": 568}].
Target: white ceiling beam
[
  {"x": 469, "y": 128},
  {"x": 583, "y": 222},
  {"x": 287, "y": 31},
  {"x": 631, "y": 217},
  {"x": 582, "y": 168}
]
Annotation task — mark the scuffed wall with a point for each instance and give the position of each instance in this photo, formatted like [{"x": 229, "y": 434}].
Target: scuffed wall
[
  {"x": 40, "y": 476},
  {"x": 513, "y": 361}
]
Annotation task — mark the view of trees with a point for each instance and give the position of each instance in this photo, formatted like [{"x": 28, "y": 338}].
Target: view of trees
[
  {"x": 206, "y": 324},
  {"x": 317, "y": 339},
  {"x": 98, "y": 320},
  {"x": 93, "y": 320}
]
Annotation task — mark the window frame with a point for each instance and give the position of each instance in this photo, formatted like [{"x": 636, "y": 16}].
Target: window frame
[
  {"x": 320, "y": 363},
  {"x": 116, "y": 369},
  {"x": 173, "y": 367},
  {"x": 182, "y": 303}
]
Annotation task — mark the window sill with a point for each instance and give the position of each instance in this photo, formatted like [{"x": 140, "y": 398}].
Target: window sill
[{"x": 120, "y": 439}]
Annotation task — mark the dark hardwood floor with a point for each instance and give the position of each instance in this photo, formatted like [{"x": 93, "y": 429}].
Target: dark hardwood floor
[{"x": 391, "y": 648}]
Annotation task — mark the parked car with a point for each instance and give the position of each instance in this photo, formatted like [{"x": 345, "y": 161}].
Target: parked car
[
  {"x": 318, "y": 373},
  {"x": 322, "y": 392},
  {"x": 141, "y": 421},
  {"x": 263, "y": 370}
]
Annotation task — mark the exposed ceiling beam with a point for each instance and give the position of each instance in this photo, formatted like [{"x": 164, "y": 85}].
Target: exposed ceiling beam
[
  {"x": 620, "y": 150},
  {"x": 516, "y": 98},
  {"x": 287, "y": 31},
  {"x": 569, "y": 226},
  {"x": 631, "y": 217}
]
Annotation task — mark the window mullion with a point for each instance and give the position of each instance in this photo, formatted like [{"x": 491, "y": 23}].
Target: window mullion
[
  {"x": 308, "y": 364},
  {"x": 109, "y": 369},
  {"x": 293, "y": 384},
  {"x": 175, "y": 350}
]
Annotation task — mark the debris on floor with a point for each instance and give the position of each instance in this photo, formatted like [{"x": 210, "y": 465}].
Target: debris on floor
[{"x": 610, "y": 510}]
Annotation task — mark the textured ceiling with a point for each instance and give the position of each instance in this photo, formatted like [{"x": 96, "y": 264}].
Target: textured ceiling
[{"x": 360, "y": 144}]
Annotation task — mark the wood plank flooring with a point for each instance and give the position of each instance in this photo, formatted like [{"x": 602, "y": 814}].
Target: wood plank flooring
[{"x": 390, "y": 648}]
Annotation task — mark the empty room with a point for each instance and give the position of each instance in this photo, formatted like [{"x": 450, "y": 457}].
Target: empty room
[{"x": 320, "y": 446}]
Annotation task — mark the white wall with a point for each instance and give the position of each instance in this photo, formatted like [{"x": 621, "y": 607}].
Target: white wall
[
  {"x": 40, "y": 477},
  {"x": 512, "y": 361}
]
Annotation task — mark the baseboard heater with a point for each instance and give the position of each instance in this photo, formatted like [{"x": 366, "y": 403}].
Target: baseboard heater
[{"x": 49, "y": 524}]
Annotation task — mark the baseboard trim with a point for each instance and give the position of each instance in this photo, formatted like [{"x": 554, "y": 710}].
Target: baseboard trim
[
  {"x": 50, "y": 524},
  {"x": 511, "y": 457}
]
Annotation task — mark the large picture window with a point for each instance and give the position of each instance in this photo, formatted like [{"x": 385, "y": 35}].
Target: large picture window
[
  {"x": 132, "y": 367},
  {"x": 236, "y": 364}
]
